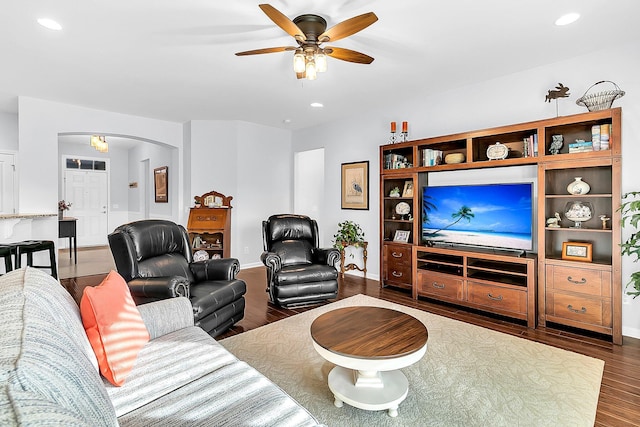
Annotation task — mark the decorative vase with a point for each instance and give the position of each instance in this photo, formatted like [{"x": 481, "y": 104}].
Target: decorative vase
[
  {"x": 60, "y": 214},
  {"x": 578, "y": 212},
  {"x": 578, "y": 186}
]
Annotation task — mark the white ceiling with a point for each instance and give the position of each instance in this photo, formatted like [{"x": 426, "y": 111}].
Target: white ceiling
[{"x": 174, "y": 59}]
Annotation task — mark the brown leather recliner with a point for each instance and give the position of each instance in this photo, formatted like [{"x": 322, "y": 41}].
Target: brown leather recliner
[
  {"x": 298, "y": 272},
  {"x": 154, "y": 257}
]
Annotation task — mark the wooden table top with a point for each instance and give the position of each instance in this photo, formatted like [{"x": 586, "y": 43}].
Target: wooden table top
[{"x": 369, "y": 332}]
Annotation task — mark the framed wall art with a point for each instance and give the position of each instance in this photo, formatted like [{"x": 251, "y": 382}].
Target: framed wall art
[
  {"x": 577, "y": 251},
  {"x": 355, "y": 185},
  {"x": 161, "y": 184}
]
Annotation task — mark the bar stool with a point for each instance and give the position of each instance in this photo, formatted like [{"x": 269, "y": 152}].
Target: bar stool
[
  {"x": 6, "y": 252},
  {"x": 28, "y": 247}
]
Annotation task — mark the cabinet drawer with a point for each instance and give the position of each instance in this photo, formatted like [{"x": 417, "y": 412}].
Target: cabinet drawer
[
  {"x": 512, "y": 300},
  {"x": 398, "y": 273},
  {"x": 594, "y": 311},
  {"x": 582, "y": 280},
  {"x": 440, "y": 285},
  {"x": 398, "y": 255}
]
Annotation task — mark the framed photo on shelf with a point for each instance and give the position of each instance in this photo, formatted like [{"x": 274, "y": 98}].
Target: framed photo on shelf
[
  {"x": 408, "y": 189},
  {"x": 355, "y": 185},
  {"x": 401, "y": 236},
  {"x": 577, "y": 251},
  {"x": 161, "y": 184}
]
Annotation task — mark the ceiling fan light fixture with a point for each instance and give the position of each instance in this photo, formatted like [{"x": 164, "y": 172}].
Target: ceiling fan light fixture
[
  {"x": 311, "y": 70},
  {"x": 299, "y": 65},
  {"x": 321, "y": 61}
]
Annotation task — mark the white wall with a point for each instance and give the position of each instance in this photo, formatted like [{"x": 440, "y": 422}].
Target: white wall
[
  {"x": 511, "y": 99},
  {"x": 39, "y": 124},
  {"x": 8, "y": 131},
  {"x": 250, "y": 162}
]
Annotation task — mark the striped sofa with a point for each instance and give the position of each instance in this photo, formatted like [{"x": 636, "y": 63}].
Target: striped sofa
[{"x": 182, "y": 377}]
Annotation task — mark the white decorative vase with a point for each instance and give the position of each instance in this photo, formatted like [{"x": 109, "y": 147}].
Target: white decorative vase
[{"x": 578, "y": 186}]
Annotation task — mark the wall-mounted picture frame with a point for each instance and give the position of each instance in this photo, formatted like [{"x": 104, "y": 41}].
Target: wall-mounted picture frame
[
  {"x": 402, "y": 236},
  {"x": 408, "y": 189},
  {"x": 355, "y": 185},
  {"x": 577, "y": 251},
  {"x": 161, "y": 184}
]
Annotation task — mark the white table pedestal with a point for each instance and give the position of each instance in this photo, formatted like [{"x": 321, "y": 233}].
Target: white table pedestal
[{"x": 362, "y": 392}]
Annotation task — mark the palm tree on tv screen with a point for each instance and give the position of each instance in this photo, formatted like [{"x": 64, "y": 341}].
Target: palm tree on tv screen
[{"x": 463, "y": 213}]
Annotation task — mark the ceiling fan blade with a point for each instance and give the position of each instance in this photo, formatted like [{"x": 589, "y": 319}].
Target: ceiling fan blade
[
  {"x": 266, "y": 50},
  {"x": 348, "y": 27},
  {"x": 283, "y": 22},
  {"x": 348, "y": 55}
]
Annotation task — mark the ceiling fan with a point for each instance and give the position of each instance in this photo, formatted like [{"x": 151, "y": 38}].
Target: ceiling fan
[{"x": 310, "y": 32}]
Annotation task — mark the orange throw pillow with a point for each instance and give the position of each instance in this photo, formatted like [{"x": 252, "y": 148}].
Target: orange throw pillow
[{"x": 114, "y": 327}]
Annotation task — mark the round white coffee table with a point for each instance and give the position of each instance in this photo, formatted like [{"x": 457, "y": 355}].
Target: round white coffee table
[{"x": 369, "y": 345}]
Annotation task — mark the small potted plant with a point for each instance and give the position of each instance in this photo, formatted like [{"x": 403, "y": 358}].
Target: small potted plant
[
  {"x": 630, "y": 211},
  {"x": 395, "y": 192},
  {"x": 63, "y": 206},
  {"x": 349, "y": 234}
]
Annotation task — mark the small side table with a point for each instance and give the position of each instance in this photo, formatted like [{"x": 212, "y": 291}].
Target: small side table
[
  {"x": 67, "y": 228},
  {"x": 353, "y": 266}
]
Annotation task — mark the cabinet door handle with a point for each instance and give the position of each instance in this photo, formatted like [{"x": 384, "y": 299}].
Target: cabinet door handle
[
  {"x": 396, "y": 274},
  {"x": 498, "y": 298},
  {"x": 576, "y": 282},
  {"x": 396, "y": 254},
  {"x": 438, "y": 285},
  {"x": 583, "y": 310}
]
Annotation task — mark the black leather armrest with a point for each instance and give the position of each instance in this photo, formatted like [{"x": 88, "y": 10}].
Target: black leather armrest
[
  {"x": 215, "y": 269},
  {"x": 271, "y": 260},
  {"x": 327, "y": 256},
  {"x": 160, "y": 287}
]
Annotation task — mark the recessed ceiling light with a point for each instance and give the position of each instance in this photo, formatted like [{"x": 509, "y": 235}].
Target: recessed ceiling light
[
  {"x": 567, "y": 19},
  {"x": 50, "y": 24},
  {"x": 317, "y": 105}
]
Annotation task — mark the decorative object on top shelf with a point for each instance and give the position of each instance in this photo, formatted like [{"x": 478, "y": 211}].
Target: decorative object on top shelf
[
  {"x": 578, "y": 186},
  {"x": 404, "y": 136},
  {"x": 63, "y": 206},
  {"x": 578, "y": 212},
  {"x": 401, "y": 236},
  {"x": 577, "y": 251},
  {"x": 393, "y": 137},
  {"x": 348, "y": 232},
  {"x": 560, "y": 91},
  {"x": 161, "y": 184},
  {"x": 454, "y": 158},
  {"x": 602, "y": 100},
  {"x": 557, "y": 141},
  {"x": 395, "y": 192},
  {"x": 497, "y": 151},
  {"x": 630, "y": 216},
  {"x": 355, "y": 185},
  {"x": 408, "y": 189},
  {"x": 554, "y": 222}
]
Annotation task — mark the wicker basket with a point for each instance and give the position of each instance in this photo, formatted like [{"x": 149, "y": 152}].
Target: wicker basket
[{"x": 600, "y": 100}]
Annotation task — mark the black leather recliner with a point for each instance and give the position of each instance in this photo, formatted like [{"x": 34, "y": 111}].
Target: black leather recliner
[
  {"x": 154, "y": 257},
  {"x": 298, "y": 272}
]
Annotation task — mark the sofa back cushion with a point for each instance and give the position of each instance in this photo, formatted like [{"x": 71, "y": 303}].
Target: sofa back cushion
[{"x": 48, "y": 372}]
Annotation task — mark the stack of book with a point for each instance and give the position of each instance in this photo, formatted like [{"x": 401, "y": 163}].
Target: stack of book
[
  {"x": 580, "y": 146},
  {"x": 395, "y": 161},
  {"x": 431, "y": 157},
  {"x": 530, "y": 146}
]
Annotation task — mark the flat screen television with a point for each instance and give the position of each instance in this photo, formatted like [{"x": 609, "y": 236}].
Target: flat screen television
[{"x": 491, "y": 215}]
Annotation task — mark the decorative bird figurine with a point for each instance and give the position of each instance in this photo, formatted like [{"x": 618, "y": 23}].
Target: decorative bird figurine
[{"x": 556, "y": 144}]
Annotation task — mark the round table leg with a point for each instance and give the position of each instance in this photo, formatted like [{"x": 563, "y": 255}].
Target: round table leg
[{"x": 337, "y": 402}]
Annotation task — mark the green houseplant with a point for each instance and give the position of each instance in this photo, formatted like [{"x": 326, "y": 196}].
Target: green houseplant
[
  {"x": 630, "y": 212},
  {"x": 348, "y": 232}
]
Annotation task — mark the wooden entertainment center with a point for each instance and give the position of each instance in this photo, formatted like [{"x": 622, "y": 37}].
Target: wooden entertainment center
[{"x": 575, "y": 278}]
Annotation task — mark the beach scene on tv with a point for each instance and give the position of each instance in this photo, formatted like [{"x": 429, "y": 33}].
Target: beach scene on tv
[{"x": 495, "y": 215}]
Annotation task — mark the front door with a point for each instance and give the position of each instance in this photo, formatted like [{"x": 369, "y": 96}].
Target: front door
[{"x": 87, "y": 192}]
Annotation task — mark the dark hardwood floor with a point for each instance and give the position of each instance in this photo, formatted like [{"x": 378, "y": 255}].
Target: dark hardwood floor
[{"x": 619, "y": 403}]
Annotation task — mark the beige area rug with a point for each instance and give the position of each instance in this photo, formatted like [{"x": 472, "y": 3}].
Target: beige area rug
[{"x": 470, "y": 376}]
